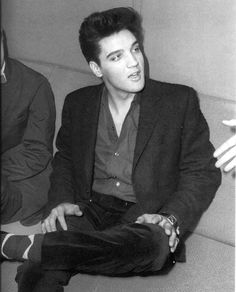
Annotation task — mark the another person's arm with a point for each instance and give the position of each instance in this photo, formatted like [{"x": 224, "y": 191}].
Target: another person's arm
[{"x": 35, "y": 151}]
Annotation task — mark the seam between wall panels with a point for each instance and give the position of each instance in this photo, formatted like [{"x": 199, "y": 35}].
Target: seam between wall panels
[
  {"x": 39, "y": 62},
  {"x": 232, "y": 244}
]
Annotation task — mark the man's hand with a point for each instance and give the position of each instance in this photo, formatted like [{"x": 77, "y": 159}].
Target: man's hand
[
  {"x": 58, "y": 213},
  {"x": 228, "y": 149},
  {"x": 165, "y": 224}
]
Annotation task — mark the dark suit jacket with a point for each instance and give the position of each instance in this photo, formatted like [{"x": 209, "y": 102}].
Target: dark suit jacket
[
  {"x": 27, "y": 132},
  {"x": 173, "y": 167}
]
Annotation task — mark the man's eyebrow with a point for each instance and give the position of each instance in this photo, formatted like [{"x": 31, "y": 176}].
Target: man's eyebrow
[
  {"x": 135, "y": 43},
  {"x": 121, "y": 50},
  {"x": 113, "y": 53}
]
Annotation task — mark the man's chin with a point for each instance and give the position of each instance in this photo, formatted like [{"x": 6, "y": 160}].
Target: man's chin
[{"x": 139, "y": 86}]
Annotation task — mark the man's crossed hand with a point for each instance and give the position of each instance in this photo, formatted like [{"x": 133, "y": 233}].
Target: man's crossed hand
[{"x": 163, "y": 222}]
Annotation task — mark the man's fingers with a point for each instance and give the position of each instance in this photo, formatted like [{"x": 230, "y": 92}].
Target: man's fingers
[
  {"x": 61, "y": 217},
  {"x": 172, "y": 238},
  {"x": 225, "y": 146},
  {"x": 77, "y": 211},
  {"x": 226, "y": 157},
  {"x": 47, "y": 225},
  {"x": 230, "y": 165},
  {"x": 62, "y": 221},
  {"x": 168, "y": 228},
  {"x": 149, "y": 218},
  {"x": 173, "y": 248},
  {"x": 43, "y": 227},
  {"x": 52, "y": 222},
  {"x": 231, "y": 123},
  {"x": 140, "y": 220},
  {"x": 69, "y": 209}
]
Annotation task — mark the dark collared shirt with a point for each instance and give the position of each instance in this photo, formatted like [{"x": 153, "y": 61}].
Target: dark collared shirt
[{"x": 113, "y": 154}]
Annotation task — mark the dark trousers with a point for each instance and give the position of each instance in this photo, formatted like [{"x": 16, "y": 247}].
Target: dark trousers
[{"x": 99, "y": 242}]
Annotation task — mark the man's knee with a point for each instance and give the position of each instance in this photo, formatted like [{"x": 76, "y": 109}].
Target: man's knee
[
  {"x": 155, "y": 245},
  {"x": 161, "y": 250}
]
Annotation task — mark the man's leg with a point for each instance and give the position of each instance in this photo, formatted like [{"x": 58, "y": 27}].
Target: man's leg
[
  {"x": 128, "y": 248},
  {"x": 32, "y": 278},
  {"x": 48, "y": 280},
  {"x": 131, "y": 248}
]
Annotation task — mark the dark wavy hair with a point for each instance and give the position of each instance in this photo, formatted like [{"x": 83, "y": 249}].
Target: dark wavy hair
[{"x": 99, "y": 25}]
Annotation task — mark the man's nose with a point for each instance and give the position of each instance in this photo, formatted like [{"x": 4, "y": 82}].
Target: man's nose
[{"x": 132, "y": 60}]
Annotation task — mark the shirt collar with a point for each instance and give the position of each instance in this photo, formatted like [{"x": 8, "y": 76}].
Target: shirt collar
[{"x": 135, "y": 101}]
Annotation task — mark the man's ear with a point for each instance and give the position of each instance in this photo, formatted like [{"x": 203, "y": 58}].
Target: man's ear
[{"x": 95, "y": 68}]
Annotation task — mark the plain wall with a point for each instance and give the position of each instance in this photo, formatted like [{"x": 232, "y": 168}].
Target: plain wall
[
  {"x": 192, "y": 42},
  {"x": 189, "y": 42}
]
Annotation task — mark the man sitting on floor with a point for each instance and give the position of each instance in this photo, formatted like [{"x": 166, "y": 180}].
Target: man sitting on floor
[{"x": 133, "y": 172}]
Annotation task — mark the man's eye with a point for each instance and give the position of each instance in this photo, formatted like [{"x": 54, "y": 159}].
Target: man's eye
[
  {"x": 136, "y": 49},
  {"x": 115, "y": 58}
]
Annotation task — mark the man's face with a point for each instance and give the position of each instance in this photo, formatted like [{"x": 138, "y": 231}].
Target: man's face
[{"x": 121, "y": 63}]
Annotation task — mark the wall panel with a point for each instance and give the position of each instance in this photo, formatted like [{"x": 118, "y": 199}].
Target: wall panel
[
  {"x": 192, "y": 42},
  {"x": 47, "y": 30}
]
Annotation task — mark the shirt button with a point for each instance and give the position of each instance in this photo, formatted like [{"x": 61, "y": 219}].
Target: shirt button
[
  {"x": 118, "y": 184},
  {"x": 117, "y": 154}
]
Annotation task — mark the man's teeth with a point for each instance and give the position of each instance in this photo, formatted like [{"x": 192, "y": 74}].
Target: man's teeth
[{"x": 134, "y": 74}]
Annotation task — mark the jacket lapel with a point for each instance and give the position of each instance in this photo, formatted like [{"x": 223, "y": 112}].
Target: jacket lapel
[
  {"x": 150, "y": 117},
  {"x": 90, "y": 124}
]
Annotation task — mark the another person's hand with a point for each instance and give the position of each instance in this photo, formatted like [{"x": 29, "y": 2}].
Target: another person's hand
[
  {"x": 58, "y": 213},
  {"x": 163, "y": 222},
  {"x": 227, "y": 150}
]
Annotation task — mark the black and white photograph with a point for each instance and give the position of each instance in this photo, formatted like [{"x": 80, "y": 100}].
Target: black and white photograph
[{"x": 118, "y": 145}]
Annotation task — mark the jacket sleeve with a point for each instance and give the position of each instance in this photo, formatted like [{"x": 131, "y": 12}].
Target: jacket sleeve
[
  {"x": 199, "y": 179},
  {"x": 62, "y": 182},
  {"x": 33, "y": 154}
]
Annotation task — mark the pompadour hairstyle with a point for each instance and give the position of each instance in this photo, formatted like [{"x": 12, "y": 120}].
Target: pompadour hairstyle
[{"x": 99, "y": 25}]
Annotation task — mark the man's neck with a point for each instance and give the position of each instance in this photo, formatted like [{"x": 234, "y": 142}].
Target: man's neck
[{"x": 120, "y": 103}]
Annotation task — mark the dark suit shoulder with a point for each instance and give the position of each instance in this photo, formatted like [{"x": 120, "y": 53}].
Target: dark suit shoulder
[
  {"x": 26, "y": 73},
  {"x": 168, "y": 87},
  {"x": 170, "y": 91},
  {"x": 84, "y": 94}
]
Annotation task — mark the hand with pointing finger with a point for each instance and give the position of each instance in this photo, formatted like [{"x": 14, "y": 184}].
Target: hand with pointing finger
[{"x": 58, "y": 214}]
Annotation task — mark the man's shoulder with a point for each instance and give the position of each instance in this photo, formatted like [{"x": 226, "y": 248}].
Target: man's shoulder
[
  {"x": 166, "y": 87},
  {"x": 26, "y": 72},
  {"x": 85, "y": 93},
  {"x": 170, "y": 92}
]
